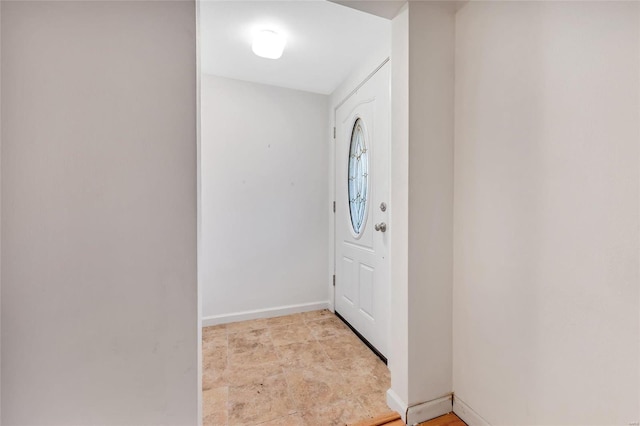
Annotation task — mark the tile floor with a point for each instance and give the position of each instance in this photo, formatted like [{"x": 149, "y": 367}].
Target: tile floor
[{"x": 303, "y": 369}]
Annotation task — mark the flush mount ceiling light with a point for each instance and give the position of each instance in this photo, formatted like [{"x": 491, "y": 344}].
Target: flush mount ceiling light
[{"x": 268, "y": 44}]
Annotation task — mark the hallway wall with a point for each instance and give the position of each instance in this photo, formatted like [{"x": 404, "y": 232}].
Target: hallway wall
[
  {"x": 422, "y": 210},
  {"x": 0, "y": 212},
  {"x": 98, "y": 174},
  {"x": 546, "y": 217},
  {"x": 265, "y": 153}
]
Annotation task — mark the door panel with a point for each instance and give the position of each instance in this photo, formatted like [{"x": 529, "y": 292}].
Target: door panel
[
  {"x": 348, "y": 294},
  {"x": 362, "y": 167},
  {"x": 367, "y": 290}
]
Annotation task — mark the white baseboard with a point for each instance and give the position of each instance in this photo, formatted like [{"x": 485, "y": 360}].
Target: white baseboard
[
  {"x": 397, "y": 404},
  {"x": 420, "y": 412},
  {"x": 263, "y": 313},
  {"x": 429, "y": 410},
  {"x": 466, "y": 413}
]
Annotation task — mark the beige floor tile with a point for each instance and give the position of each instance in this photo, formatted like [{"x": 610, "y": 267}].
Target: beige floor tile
[
  {"x": 362, "y": 363},
  {"x": 213, "y": 378},
  {"x": 236, "y": 327},
  {"x": 260, "y": 402},
  {"x": 214, "y": 406},
  {"x": 285, "y": 320},
  {"x": 291, "y": 420},
  {"x": 383, "y": 376},
  {"x": 329, "y": 328},
  {"x": 344, "y": 348},
  {"x": 215, "y": 340},
  {"x": 304, "y": 369},
  {"x": 214, "y": 358},
  {"x": 308, "y": 418},
  {"x": 238, "y": 375},
  {"x": 362, "y": 385},
  {"x": 316, "y": 386},
  {"x": 301, "y": 355},
  {"x": 340, "y": 413},
  {"x": 259, "y": 354},
  {"x": 317, "y": 315},
  {"x": 375, "y": 403},
  {"x": 248, "y": 340},
  {"x": 365, "y": 375},
  {"x": 214, "y": 330},
  {"x": 293, "y": 333}
]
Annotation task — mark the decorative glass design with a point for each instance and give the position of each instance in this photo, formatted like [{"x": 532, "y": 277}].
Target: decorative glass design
[{"x": 358, "y": 177}]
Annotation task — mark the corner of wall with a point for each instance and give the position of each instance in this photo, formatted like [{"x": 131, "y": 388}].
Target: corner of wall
[
  {"x": 0, "y": 212},
  {"x": 199, "y": 210},
  {"x": 398, "y": 221},
  {"x": 467, "y": 414},
  {"x": 430, "y": 206},
  {"x": 429, "y": 410},
  {"x": 395, "y": 402}
]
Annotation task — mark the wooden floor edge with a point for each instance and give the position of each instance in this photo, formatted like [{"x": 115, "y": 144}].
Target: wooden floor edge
[
  {"x": 450, "y": 419},
  {"x": 382, "y": 419}
]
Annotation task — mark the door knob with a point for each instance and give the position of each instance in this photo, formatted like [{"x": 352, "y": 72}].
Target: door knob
[{"x": 382, "y": 227}]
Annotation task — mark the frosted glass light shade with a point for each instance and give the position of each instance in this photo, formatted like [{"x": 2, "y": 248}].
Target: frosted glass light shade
[{"x": 268, "y": 44}]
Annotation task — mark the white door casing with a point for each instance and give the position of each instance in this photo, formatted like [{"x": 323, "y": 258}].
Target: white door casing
[{"x": 362, "y": 288}]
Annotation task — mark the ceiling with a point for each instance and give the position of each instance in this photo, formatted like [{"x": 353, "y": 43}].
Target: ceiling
[
  {"x": 385, "y": 8},
  {"x": 325, "y": 41}
]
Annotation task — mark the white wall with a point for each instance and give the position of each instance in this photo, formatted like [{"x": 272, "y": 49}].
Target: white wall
[
  {"x": 398, "y": 395},
  {"x": 422, "y": 209},
  {"x": 99, "y": 303},
  {"x": 431, "y": 94},
  {"x": 264, "y": 200},
  {"x": 0, "y": 213},
  {"x": 546, "y": 212}
]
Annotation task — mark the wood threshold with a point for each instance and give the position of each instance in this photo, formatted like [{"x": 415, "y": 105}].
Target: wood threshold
[
  {"x": 383, "y": 419},
  {"x": 447, "y": 420},
  {"x": 394, "y": 419}
]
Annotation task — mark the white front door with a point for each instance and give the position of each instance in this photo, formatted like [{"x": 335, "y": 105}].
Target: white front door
[{"x": 363, "y": 129}]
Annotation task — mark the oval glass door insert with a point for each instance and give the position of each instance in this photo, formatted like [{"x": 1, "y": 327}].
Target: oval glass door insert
[{"x": 358, "y": 175}]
